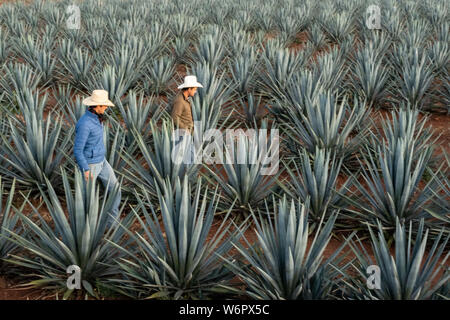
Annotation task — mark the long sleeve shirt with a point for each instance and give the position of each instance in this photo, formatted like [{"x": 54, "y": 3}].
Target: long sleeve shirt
[{"x": 89, "y": 146}]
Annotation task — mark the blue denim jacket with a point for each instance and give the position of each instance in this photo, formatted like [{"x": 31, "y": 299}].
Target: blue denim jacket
[{"x": 89, "y": 147}]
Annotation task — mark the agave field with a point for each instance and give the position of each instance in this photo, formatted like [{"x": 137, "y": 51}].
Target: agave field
[{"x": 363, "y": 180}]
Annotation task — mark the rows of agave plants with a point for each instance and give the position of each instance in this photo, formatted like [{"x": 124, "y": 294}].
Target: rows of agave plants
[{"x": 311, "y": 69}]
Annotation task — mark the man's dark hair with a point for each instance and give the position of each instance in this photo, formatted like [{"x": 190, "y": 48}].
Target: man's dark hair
[{"x": 101, "y": 117}]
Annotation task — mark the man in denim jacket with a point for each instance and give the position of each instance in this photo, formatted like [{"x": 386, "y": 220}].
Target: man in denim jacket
[{"x": 89, "y": 149}]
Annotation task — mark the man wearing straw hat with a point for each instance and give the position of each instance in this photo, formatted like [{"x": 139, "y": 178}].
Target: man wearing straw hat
[
  {"x": 89, "y": 149},
  {"x": 182, "y": 113}
]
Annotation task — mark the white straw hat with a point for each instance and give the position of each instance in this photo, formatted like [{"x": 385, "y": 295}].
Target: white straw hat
[
  {"x": 98, "y": 98},
  {"x": 190, "y": 82}
]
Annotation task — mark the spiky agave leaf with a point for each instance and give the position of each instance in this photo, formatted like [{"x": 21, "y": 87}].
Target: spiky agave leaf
[
  {"x": 249, "y": 107},
  {"x": 135, "y": 111},
  {"x": 414, "y": 77},
  {"x": 156, "y": 164},
  {"x": 76, "y": 36},
  {"x": 38, "y": 148},
  {"x": 214, "y": 86},
  {"x": 53, "y": 15},
  {"x": 238, "y": 41},
  {"x": 416, "y": 33},
  {"x": 48, "y": 36},
  {"x": 147, "y": 47},
  {"x": 330, "y": 68},
  {"x": 78, "y": 64},
  {"x": 116, "y": 82},
  {"x": 131, "y": 60},
  {"x": 30, "y": 102},
  {"x": 246, "y": 17},
  {"x": 5, "y": 133},
  {"x": 115, "y": 138},
  {"x": 370, "y": 76},
  {"x": 78, "y": 238},
  {"x": 12, "y": 19},
  {"x": 4, "y": 47},
  {"x": 435, "y": 11},
  {"x": 31, "y": 19},
  {"x": 182, "y": 26},
  {"x": 243, "y": 68},
  {"x": 393, "y": 22},
  {"x": 37, "y": 55},
  {"x": 443, "y": 293},
  {"x": 281, "y": 265},
  {"x": 317, "y": 37},
  {"x": 158, "y": 75},
  {"x": 18, "y": 77},
  {"x": 401, "y": 55},
  {"x": 71, "y": 104},
  {"x": 326, "y": 124},
  {"x": 439, "y": 55},
  {"x": 218, "y": 14},
  {"x": 289, "y": 24},
  {"x": 4, "y": 126},
  {"x": 211, "y": 106},
  {"x": 408, "y": 274},
  {"x": 264, "y": 18},
  {"x": 232, "y": 26},
  {"x": 405, "y": 123},
  {"x": 315, "y": 178},
  {"x": 303, "y": 87},
  {"x": 392, "y": 178},
  {"x": 338, "y": 25},
  {"x": 208, "y": 115},
  {"x": 280, "y": 65},
  {"x": 8, "y": 221},
  {"x": 440, "y": 208},
  {"x": 210, "y": 50},
  {"x": 442, "y": 33},
  {"x": 95, "y": 39},
  {"x": 250, "y": 167},
  {"x": 177, "y": 259},
  {"x": 446, "y": 92},
  {"x": 65, "y": 48},
  {"x": 181, "y": 49},
  {"x": 380, "y": 43}
]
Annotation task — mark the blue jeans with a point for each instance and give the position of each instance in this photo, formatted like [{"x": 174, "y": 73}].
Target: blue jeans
[
  {"x": 105, "y": 173},
  {"x": 189, "y": 152}
]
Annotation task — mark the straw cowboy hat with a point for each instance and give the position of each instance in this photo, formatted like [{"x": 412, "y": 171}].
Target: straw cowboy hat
[
  {"x": 190, "y": 82},
  {"x": 98, "y": 98}
]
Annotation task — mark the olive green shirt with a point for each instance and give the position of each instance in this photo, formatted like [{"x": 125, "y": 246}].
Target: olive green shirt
[{"x": 182, "y": 113}]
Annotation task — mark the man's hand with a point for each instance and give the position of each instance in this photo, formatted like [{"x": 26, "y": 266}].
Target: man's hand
[{"x": 88, "y": 175}]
